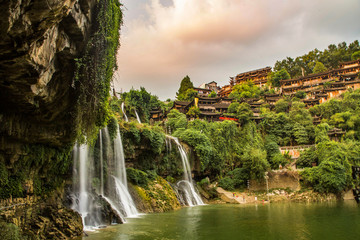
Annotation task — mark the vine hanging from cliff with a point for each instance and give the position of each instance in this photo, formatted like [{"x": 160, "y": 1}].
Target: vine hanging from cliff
[{"x": 95, "y": 69}]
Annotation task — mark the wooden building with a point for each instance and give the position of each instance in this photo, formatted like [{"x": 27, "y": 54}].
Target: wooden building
[
  {"x": 323, "y": 86},
  {"x": 182, "y": 106},
  {"x": 202, "y": 92},
  {"x": 225, "y": 91},
  {"x": 258, "y": 76}
]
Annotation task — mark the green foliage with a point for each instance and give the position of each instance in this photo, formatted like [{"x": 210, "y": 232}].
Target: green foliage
[
  {"x": 199, "y": 141},
  {"x": 276, "y": 76},
  {"x": 319, "y": 68},
  {"x": 245, "y": 90},
  {"x": 355, "y": 55},
  {"x": 255, "y": 162},
  {"x": 176, "y": 120},
  {"x": 185, "y": 85},
  {"x": 142, "y": 101},
  {"x": 9, "y": 231},
  {"x": 94, "y": 70},
  {"x": 282, "y": 105},
  {"x": 300, "y": 134},
  {"x": 188, "y": 96},
  {"x": 300, "y": 94},
  {"x": 307, "y": 157},
  {"x": 233, "y": 107},
  {"x": 193, "y": 112},
  {"x": 227, "y": 183},
  {"x": 45, "y": 166},
  {"x": 239, "y": 177},
  {"x": 137, "y": 177},
  {"x": 330, "y": 57},
  {"x": 328, "y": 177},
  {"x": 242, "y": 111},
  {"x": 112, "y": 127},
  {"x": 274, "y": 157},
  {"x": 212, "y": 94}
]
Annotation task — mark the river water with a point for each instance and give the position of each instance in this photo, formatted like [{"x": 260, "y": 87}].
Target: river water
[{"x": 216, "y": 222}]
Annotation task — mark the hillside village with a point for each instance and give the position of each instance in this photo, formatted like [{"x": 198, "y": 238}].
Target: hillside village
[{"x": 316, "y": 88}]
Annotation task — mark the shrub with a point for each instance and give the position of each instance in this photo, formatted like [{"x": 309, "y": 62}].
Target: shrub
[
  {"x": 328, "y": 177},
  {"x": 137, "y": 177},
  {"x": 227, "y": 183}
]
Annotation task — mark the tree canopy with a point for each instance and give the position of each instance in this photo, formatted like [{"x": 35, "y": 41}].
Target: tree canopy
[
  {"x": 185, "y": 85},
  {"x": 276, "y": 76},
  {"x": 245, "y": 90}
]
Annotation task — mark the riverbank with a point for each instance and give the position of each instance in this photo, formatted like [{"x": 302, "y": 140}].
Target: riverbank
[{"x": 275, "y": 195}]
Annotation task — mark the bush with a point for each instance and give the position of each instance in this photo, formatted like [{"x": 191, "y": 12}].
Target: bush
[
  {"x": 9, "y": 231},
  {"x": 137, "y": 177},
  {"x": 227, "y": 183},
  {"x": 239, "y": 176},
  {"x": 328, "y": 177}
]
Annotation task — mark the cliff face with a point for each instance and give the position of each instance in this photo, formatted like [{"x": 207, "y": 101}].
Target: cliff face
[
  {"x": 40, "y": 40},
  {"x": 40, "y": 47}
]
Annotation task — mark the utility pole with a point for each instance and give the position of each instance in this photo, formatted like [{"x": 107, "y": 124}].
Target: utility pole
[{"x": 267, "y": 185}]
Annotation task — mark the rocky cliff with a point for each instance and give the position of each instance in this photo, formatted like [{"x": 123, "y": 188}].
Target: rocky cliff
[{"x": 46, "y": 50}]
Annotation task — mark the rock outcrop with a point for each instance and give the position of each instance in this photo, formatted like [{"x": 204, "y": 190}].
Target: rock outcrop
[
  {"x": 39, "y": 41},
  {"x": 40, "y": 47}
]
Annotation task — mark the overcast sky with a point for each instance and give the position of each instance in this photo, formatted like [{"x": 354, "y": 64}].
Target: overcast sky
[{"x": 162, "y": 41}]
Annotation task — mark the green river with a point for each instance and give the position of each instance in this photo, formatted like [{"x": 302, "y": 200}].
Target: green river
[{"x": 270, "y": 221}]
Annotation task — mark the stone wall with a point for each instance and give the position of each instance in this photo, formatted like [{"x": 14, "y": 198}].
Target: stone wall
[{"x": 278, "y": 179}]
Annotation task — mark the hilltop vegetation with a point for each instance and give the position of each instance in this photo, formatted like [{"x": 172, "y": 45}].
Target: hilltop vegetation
[{"x": 317, "y": 61}]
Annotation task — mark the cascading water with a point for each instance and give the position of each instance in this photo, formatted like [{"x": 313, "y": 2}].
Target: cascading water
[
  {"x": 118, "y": 193},
  {"x": 123, "y": 110},
  {"x": 189, "y": 194},
  {"x": 83, "y": 198},
  {"x": 101, "y": 164},
  {"x": 137, "y": 116}
]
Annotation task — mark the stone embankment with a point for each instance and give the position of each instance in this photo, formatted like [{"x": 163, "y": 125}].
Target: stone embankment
[{"x": 275, "y": 195}]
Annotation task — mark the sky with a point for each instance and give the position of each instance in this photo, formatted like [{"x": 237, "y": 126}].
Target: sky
[{"x": 162, "y": 41}]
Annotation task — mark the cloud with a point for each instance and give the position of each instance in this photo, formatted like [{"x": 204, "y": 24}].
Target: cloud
[{"x": 214, "y": 39}]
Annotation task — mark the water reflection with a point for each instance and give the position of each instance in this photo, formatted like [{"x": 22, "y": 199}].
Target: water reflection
[{"x": 269, "y": 221}]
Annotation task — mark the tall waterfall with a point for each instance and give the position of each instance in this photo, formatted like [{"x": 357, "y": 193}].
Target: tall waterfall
[
  {"x": 101, "y": 164},
  {"x": 189, "y": 194},
  {"x": 83, "y": 197},
  {"x": 89, "y": 181},
  {"x": 123, "y": 110},
  {"x": 137, "y": 116},
  {"x": 118, "y": 194}
]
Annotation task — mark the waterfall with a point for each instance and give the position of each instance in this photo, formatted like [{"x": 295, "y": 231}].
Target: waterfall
[
  {"x": 123, "y": 110},
  {"x": 137, "y": 116},
  {"x": 101, "y": 164},
  {"x": 189, "y": 194},
  {"x": 118, "y": 194},
  {"x": 83, "y": 198}
]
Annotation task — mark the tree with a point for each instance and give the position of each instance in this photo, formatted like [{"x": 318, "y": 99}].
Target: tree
[
  {"x": 176, "y": 120},
  {"x": 319, "y": 68},
  {"x": 300, "y": 94},
  {"x": 328, "y": 177},
  {"x": 245, "y": 90},
  {"x": 355, "y": 55},
  {"x": 189, "y": 95},
  {"x": 184, "y": 86},
  {"x": 275, "y": 77},
  {"x": 193, "y": 112},
  {"x": 212, "y": 94},
  {"x": 282, "y": 105},
  {"x": 300, "y": 134},
  {"x": 244, "y": 113}
]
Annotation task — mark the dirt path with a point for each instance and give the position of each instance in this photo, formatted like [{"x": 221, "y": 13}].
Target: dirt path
[{"x": 233, "y": 197}]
